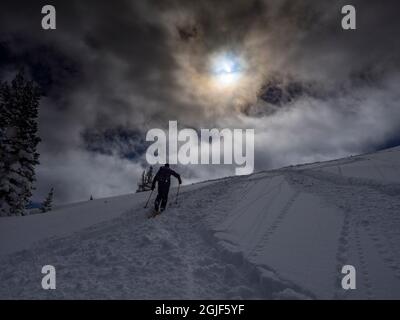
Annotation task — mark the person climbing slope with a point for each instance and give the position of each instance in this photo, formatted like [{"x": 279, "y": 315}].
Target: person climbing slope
[{"x": 163, "y": 177}]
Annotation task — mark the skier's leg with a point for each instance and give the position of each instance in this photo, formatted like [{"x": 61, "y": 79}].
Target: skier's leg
[
  {"x": 157, "y": 201},
  {"x": 161, "y": 188},
  {"x": 164, "y": 199}
]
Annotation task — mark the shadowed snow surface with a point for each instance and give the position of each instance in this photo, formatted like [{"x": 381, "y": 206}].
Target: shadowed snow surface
[{"x": 282, "y": 234}]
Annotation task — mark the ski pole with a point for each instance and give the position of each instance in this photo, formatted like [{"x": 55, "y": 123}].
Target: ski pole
[
  {"x": 148, "y": 199},
  {"x": 177, "y": 193}
]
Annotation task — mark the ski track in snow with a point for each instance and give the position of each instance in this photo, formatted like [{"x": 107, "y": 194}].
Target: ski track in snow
[
  {"x": 172, "y": 256},
  {"x": 275, "y": 225},
  {"x": 188, "y": 252},
  {"x": 366, "y": 229}
]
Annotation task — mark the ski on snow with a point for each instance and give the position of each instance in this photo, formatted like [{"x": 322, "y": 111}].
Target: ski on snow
[{"x": 154, "y": 214}]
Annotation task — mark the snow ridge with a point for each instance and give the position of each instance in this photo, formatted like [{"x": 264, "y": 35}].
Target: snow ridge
[{"x": 281, "y": 234}]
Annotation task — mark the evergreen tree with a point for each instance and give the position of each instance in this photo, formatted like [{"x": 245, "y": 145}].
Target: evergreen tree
[
  {"x": 91, "y": 197},
  {"x": 19, "y": 102},
  {"x": 143, "y": 177},
  {"x": 48, "y": 203},
  {"x": 149, "y": 176}
]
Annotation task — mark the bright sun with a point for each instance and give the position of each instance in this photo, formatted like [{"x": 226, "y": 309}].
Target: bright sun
[{"x": 226, "y": 69}]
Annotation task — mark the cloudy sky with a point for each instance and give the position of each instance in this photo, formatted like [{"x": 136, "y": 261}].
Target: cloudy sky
[{"x": 112, "y": 70}]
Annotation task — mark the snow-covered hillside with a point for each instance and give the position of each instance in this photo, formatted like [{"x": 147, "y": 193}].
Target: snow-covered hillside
[{"x": 271, "y": 235}]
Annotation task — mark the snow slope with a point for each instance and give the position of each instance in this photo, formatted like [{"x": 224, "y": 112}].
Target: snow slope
[{"x": 281, "y": 234}]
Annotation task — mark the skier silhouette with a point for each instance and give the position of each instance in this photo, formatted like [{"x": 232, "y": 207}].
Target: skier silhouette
[{"x": 163, "y": 177}]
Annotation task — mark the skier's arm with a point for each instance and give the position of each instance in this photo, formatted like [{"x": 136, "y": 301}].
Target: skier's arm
[
  {"x": 153, "y": 185},
  {"x": 176, "y": 175}
]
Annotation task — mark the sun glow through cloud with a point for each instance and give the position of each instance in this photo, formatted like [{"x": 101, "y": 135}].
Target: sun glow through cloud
[
  {"x": 222, "y": 81},
  {"x": 226, "y": 69}
]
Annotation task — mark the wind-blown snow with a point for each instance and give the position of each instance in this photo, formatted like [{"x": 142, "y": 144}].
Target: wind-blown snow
[{"x": 282, "y": 234}]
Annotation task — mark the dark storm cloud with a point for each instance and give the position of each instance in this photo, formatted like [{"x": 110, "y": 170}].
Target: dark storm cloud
[
  {"x": 117, "y": 67},
  {"x": 129, "y": 144}
]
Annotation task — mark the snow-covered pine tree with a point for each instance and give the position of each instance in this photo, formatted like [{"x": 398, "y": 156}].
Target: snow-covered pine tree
[
  {"x": 19, "y": 102},
  {"x": 143, "y": 177},
  {"x": 149, "y": 176},
  {"x": 48, "y": 202}
]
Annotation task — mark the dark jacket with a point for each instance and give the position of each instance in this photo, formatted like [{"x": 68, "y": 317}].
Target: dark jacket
[{"x": 163, "y": 177}]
